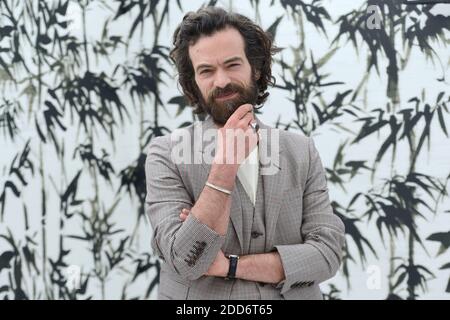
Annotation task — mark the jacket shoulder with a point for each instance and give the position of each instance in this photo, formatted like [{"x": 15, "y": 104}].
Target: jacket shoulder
[
  {"x": 295, "y": 140},
  {"x": 167, "y": 139}
]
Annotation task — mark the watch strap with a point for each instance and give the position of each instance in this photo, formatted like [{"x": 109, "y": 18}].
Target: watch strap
[{"x": 233, "y": 266}]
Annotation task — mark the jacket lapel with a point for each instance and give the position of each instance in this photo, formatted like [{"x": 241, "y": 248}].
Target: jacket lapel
[{"x": 274, "y": 176}]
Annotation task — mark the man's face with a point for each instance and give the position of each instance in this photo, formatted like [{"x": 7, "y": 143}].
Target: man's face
[{"x": 223, "y": 74}]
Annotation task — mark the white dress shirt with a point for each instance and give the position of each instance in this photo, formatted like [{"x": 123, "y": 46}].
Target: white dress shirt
[{"x": 248, "y": 174}]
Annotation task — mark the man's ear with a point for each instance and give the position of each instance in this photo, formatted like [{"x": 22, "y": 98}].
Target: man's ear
[{"x": 257, "y": 75}]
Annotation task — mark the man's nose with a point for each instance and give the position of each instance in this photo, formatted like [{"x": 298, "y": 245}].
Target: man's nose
[{"x": 222, "y": 79}]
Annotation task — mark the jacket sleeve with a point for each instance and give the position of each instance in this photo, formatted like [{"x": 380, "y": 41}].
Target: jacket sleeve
[
  {"x": 318, "y": 258},
  {"x": 189, "y": 247}
]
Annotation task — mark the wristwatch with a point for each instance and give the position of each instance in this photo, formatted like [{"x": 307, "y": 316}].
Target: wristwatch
[{"x": 233, "y": 266}]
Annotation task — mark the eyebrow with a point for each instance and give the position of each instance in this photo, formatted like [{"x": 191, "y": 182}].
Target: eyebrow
[{"x": 227, "y": 61}]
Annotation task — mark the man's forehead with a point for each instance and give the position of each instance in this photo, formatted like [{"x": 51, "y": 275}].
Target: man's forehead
[{"x": 220, "y": 47}]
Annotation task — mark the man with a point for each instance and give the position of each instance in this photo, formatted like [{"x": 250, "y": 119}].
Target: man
[{"x": 230, "y": 228}]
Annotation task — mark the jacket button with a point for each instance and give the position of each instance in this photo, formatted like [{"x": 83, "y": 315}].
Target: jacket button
[{"x": 256, "y": 234}]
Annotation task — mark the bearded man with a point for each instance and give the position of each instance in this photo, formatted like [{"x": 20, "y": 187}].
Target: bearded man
[{"x": 255, "y": 221}]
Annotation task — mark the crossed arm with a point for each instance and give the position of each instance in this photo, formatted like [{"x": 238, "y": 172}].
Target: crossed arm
[{"x": 264, "y": 267}]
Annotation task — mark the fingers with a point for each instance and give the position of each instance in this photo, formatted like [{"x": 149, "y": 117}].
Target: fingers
[
  {"x": 184, "y": 214},
  {"x": 241, "y": 112},
  {"x": 245, "y": 121},
  {"x": 183, "y": 217}
]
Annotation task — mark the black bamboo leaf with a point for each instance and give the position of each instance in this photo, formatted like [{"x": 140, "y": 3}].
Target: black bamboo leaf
[
  {"x": 117, "y": 255},
  {"x": 443, "y": 238},
  {"x": 133, "y": 178},
  {"x": 369, "y": 128},
  {"x": 153, "y": 284},
  {"x": 272, "y": 30},
  {"x": 356, "y": 166},
  {"x": 5, "y": 259},
  {"x": 353, "y": 231},
  {"x": 441, "y": 120},
  {"x": 315, "y": 13},
  {"x": 181, "y": 102},
  {"x": 391, "y": 140},
  {"x": 68, "y": 198},
  {"x": 400, "y": 279},
  {"x": 30, "y": 259}
]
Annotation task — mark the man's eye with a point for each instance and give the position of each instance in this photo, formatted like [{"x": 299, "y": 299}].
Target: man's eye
[
  {"x": 205, "y": 71},
  {"x": 233, "y": 65}
]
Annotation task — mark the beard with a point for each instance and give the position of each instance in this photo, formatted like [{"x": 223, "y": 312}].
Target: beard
[{"x": 221, "y": 111}]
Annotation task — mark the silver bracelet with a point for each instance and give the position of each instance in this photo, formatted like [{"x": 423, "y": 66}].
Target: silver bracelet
[{"x": 218, "y": 188}]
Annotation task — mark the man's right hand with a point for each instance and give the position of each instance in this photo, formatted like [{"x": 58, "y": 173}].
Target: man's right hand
[{"x": 236, "y": 139}]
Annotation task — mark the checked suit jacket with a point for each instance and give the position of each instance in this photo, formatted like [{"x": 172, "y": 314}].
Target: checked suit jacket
[{"x": 298, "y": 219}]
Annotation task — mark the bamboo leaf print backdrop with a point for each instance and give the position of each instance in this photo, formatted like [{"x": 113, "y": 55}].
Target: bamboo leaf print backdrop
[{"x": 85, "y": 85}]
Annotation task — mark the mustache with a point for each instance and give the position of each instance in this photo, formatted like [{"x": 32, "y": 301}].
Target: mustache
[{"x": 229, "y": 89}]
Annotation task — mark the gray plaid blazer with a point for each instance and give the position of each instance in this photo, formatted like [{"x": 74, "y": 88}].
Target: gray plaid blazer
[{"x": 300, "y": 223}]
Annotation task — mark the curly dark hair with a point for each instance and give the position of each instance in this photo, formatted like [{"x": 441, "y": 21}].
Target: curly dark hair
[{"x": 259, "y": 49}]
